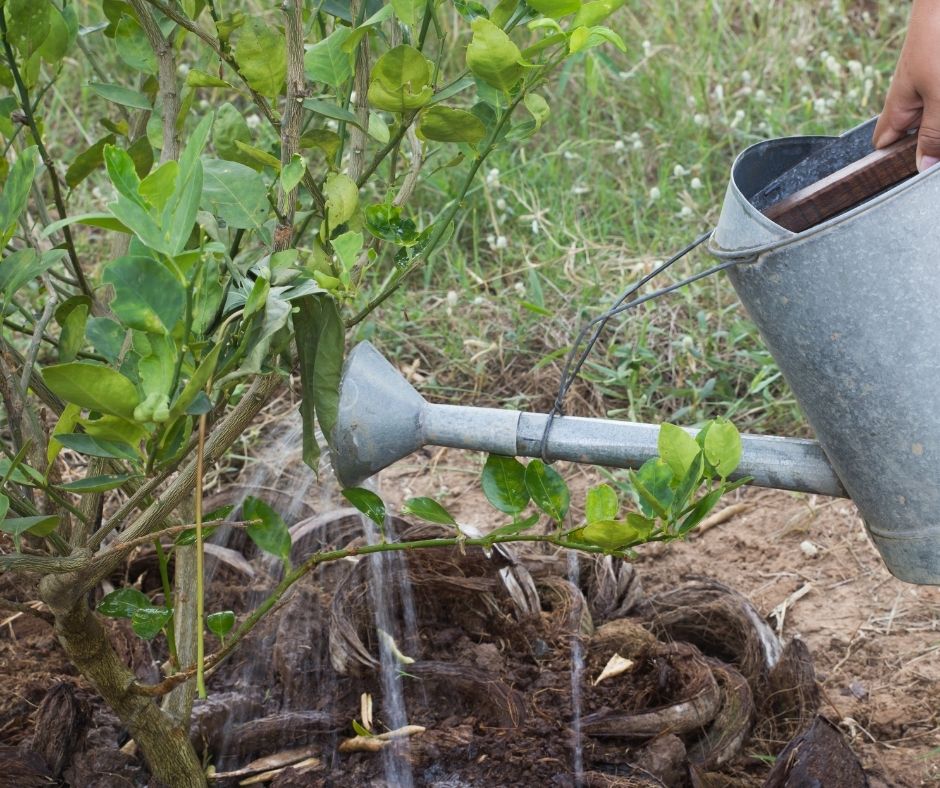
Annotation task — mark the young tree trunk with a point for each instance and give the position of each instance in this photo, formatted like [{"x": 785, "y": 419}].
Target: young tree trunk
[{"x": 164, "y": 743}]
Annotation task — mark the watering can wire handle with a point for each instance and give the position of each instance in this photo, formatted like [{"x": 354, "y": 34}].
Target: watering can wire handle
[{"x": 847, "y": 187}]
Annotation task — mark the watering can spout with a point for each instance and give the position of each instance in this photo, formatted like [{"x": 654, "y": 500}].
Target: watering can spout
[{"x": 383, "y": 419}]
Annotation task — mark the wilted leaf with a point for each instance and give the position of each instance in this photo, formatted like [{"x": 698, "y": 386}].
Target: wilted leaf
[
  {"x": 261, "y": 54},
  {"x": 93, "y": 386},
  {"x": 400, "y": 80},
  {"x": 723, "y": 447},
  {"x": 444, "y": 124},
  {"x": 677, "y": 448},
  {"x": 601, "y": 503},
  {"x": 493, "y": 57}
]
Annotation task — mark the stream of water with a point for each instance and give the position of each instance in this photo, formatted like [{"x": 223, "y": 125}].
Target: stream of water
[{"x": 577, "y": 670}]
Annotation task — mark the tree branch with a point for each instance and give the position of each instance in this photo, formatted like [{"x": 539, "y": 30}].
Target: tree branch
[{"x": 46, "y": 159}]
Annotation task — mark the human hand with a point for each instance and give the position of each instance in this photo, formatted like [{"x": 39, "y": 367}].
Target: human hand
[{"x": 914, "y": 95}]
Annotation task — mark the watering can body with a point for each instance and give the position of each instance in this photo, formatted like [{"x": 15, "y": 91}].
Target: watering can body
[{"x": 849, "y": 310}]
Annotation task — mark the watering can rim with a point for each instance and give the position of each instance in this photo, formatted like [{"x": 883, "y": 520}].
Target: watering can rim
[{"x": 784, "y": 237}]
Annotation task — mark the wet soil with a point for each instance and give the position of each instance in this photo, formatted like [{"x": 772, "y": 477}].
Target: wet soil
[{"x": 491, "y": 682}]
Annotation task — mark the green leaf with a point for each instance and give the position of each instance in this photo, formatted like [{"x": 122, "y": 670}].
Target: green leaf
[
  {"x": 584, "y": 38},
  {"x": 359, "y": 730},
  {"x": 601, "y": 504},
  {"x": 677, "y": 448},
  {"x": 133, "y": 47},
  {"x": 39, "y": 525},
  {"x": 28, "y": 24},
  {"x": 493, "y": 57},
  {"x": 122, "y": 603},
  {"x": 333, "y": 111},
  {"x": 306, "y": 333},
  {"x": 24, "y": 265},
  {"x": 409, "y": 11},
  {"x": 503, "y": 12},
  {"x": 328, "y": 362},
  {"x": 93, "y": 386},
  {"x": 230, "y": 128},
  {"x": 72, "y": 315},
  {"x": 400, "y": 80},
  {"x": 271, "y": 534},
  {"x": 16, "y": 188},
  {"x": 538, "y": 108},
  {"x": 235, "y": 193},
  {"x": 66, "y": 423},
  {"x": 327, "y": 61},
  {"x": 97, "y": 447},
  {"x": 555, "y": 8},
  {"x": 146, "y": 295},
  {"x": 202, "y": 79},
  {"x": 385, "y": 221},
  {"x": 347, "y": 247},
  {"x": 723, "y": 447},
  {"x": 548, "y": 489},
  {"x": 4, "y": 506},
  {"x": 428, "y": 509},
  {"x": 616, "y": 534},
  {"x": 443, "y": 124},
  {"x": 255, "y": 156},
  {"x": 504, "y": 483},
  {"x": 689, "y": 483},
  {"x": 261, "y": 54},
  {"x": 342, "y": 198},
  {"x": 87, "y": 161},
  {"x": 148, "y": 622},
  {"x": 117, "y": 94},
  {"x": 221, "y": 623},
  {"x": 293, "y": 172},
  {"x": 157, "y": 188},
  {"x": 57, "y": 42},
  {"x": 96, "y": 484},
  {"x": 103, "y": 220},
  {"x": 700, "y": 510},
  {"x": 323, "y": 139},
  {"x": 596, "y": 11},
  {"x": 123, "y": 173},
  {"x": 197, "y": 383},
  {"x": 367, "y": 502},
  {"x": 515, "y": 527},
  {"x": 652, "y": 484}
]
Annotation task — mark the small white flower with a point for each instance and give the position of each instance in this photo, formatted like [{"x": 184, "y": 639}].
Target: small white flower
[
  {"x": 819, "y": 106},
  {"x": 699, "y": 119},
  {"x": 479, "y": 300},
  {"x": 203, "y": 104},
  {"x": 800, "y": 62},
  {"x": 637, "y": 144},
  {"x": 332, "y": 125},
  {"x": 760, "y": 95},
  {"x": 696, "y": 183},
  {"x": 655, "y": 194},
  {"x": 182, "y": 69},
  {"x": 491, "y": 240},
  {"x": 519, "y": 288},
  {"x": 501, "y": 204},
  {"x": 855, "y": 68},
  {"x": 501, "y": 242},
  {"x": 746, "y": 77},
  {"x": 679, "y": 171},
  {"x": 619, "y": 146},
  {"x": 352, "y": 96},
  {"x": 451, "y": 298},
  {"x": 492, "y": 178},
  {"x": 719, "y": 93},
  {"x": 579, "y": 190},
  {"x": 833, "y": 65},
  {"x": 535, "y": 227},
  {"x": 685, "y": 213},
  {"x": 647, "y": 48},
  {"x": 253, "y": 121},
  {"x": 569, "y": 156},
  {"x": 869, "y": 71}
]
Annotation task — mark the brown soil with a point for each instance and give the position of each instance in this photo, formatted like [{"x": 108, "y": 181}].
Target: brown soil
[{"x": 492, "y": 684}]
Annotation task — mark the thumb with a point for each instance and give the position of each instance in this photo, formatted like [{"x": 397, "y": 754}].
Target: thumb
[
  {"x": 928, "y": 136},
  {"x": 902, "y": 111}
]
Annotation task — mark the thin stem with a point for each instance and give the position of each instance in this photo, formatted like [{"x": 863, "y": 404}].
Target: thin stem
[
  {"x": 163, "y": 564},
  {"x": 200, "y": 590}
]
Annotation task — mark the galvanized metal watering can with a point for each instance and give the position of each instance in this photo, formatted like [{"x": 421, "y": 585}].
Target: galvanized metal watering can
[{"x": 849, "y": 310}]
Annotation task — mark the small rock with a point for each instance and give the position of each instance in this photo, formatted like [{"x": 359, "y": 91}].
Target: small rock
[{"x": 809, "y": 549}]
